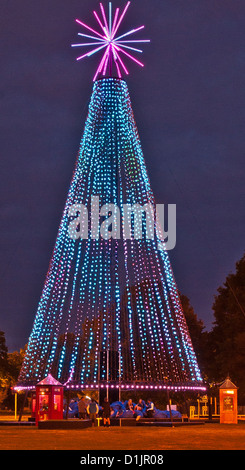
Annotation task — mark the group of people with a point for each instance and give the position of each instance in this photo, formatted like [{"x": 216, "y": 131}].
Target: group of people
[
  {"x": 92, "y": 410},
  {"x": 141, "y": 408}
]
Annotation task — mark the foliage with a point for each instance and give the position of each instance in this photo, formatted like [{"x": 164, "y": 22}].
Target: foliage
[
  {"x": 221, "y": 352},
  {"x": 227, "y": 339},
  {"x": 10, "y": 364},
  {"x": 199, "y": 336},
  {"x": 3, "y": 365},
  {"x": 3, "y": 353}
]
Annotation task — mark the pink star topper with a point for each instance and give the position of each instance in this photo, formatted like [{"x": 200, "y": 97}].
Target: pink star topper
[{"x": 106, "y": 40}]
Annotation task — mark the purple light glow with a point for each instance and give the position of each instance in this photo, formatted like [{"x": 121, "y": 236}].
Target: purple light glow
[
  {"x": 131, "y": 48},
  {"x": 129, "y": 55},
  {"x": 91, "y": 37},
  {"x": 130, "y": 32},
  {"x": 102, "y": 62},
  {"x": 120, "y": 20},
  {"x": 120, "y": 60},
  {"x": 90, "y": 29},
  {"x": 115, "y": 21},
  {"x": 97, "y": 18},
  {"x": 91, "y": 52},
  {"x": 105, "y": 20},
  {"x": 88, "y": 44},
  {"x": 115, "y": 46}
]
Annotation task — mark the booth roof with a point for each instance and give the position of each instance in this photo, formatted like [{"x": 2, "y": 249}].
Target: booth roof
[
  {"x": 228, "y": 384},
  {"x": 49, "y": 380}
]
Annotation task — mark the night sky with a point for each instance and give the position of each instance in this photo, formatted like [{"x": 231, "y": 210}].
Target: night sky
[{"x": 188, "y": 103}]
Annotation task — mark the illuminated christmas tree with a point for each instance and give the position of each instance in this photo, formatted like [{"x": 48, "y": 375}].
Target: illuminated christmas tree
[{"x": 110, "y": 286}]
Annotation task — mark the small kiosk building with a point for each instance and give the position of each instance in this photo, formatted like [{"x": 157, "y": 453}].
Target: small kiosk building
[
  {"x": 228, "y": 402},
  {"x": 49, "y": 399}
]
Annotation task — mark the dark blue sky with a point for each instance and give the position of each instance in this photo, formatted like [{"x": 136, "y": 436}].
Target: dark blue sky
[{"x": 189, "y": 107}]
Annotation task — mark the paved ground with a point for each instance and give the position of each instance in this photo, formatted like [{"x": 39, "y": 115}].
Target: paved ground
[{"x": 206, "y": 437}]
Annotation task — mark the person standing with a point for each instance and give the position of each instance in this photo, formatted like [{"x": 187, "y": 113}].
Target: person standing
[
  {"x": 82, "y": 408},
  {"x": 106, "y": 413},
  {"x": 92, "y": 410}
]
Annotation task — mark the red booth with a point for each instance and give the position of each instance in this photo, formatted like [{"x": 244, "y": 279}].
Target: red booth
[
  {"x": 49, "y": 399},
  {"x": 228, "y": 402}
]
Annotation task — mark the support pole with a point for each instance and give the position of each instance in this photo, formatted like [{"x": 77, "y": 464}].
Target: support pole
[
  {"x": 186, "y": 408},
  {"x": 210, "y": 414},
  {"x": 67, "y": 403},
  {"x": 119, "y": 379},
  {"x": 15, "y": 405},
  {"x": 107, "y": 372},
  {"x": 169, "y": 404},
  {"x": 210, "y": 403},
  {"x": 23, "y": 405},
  {"x": 99, "y": 376}
]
